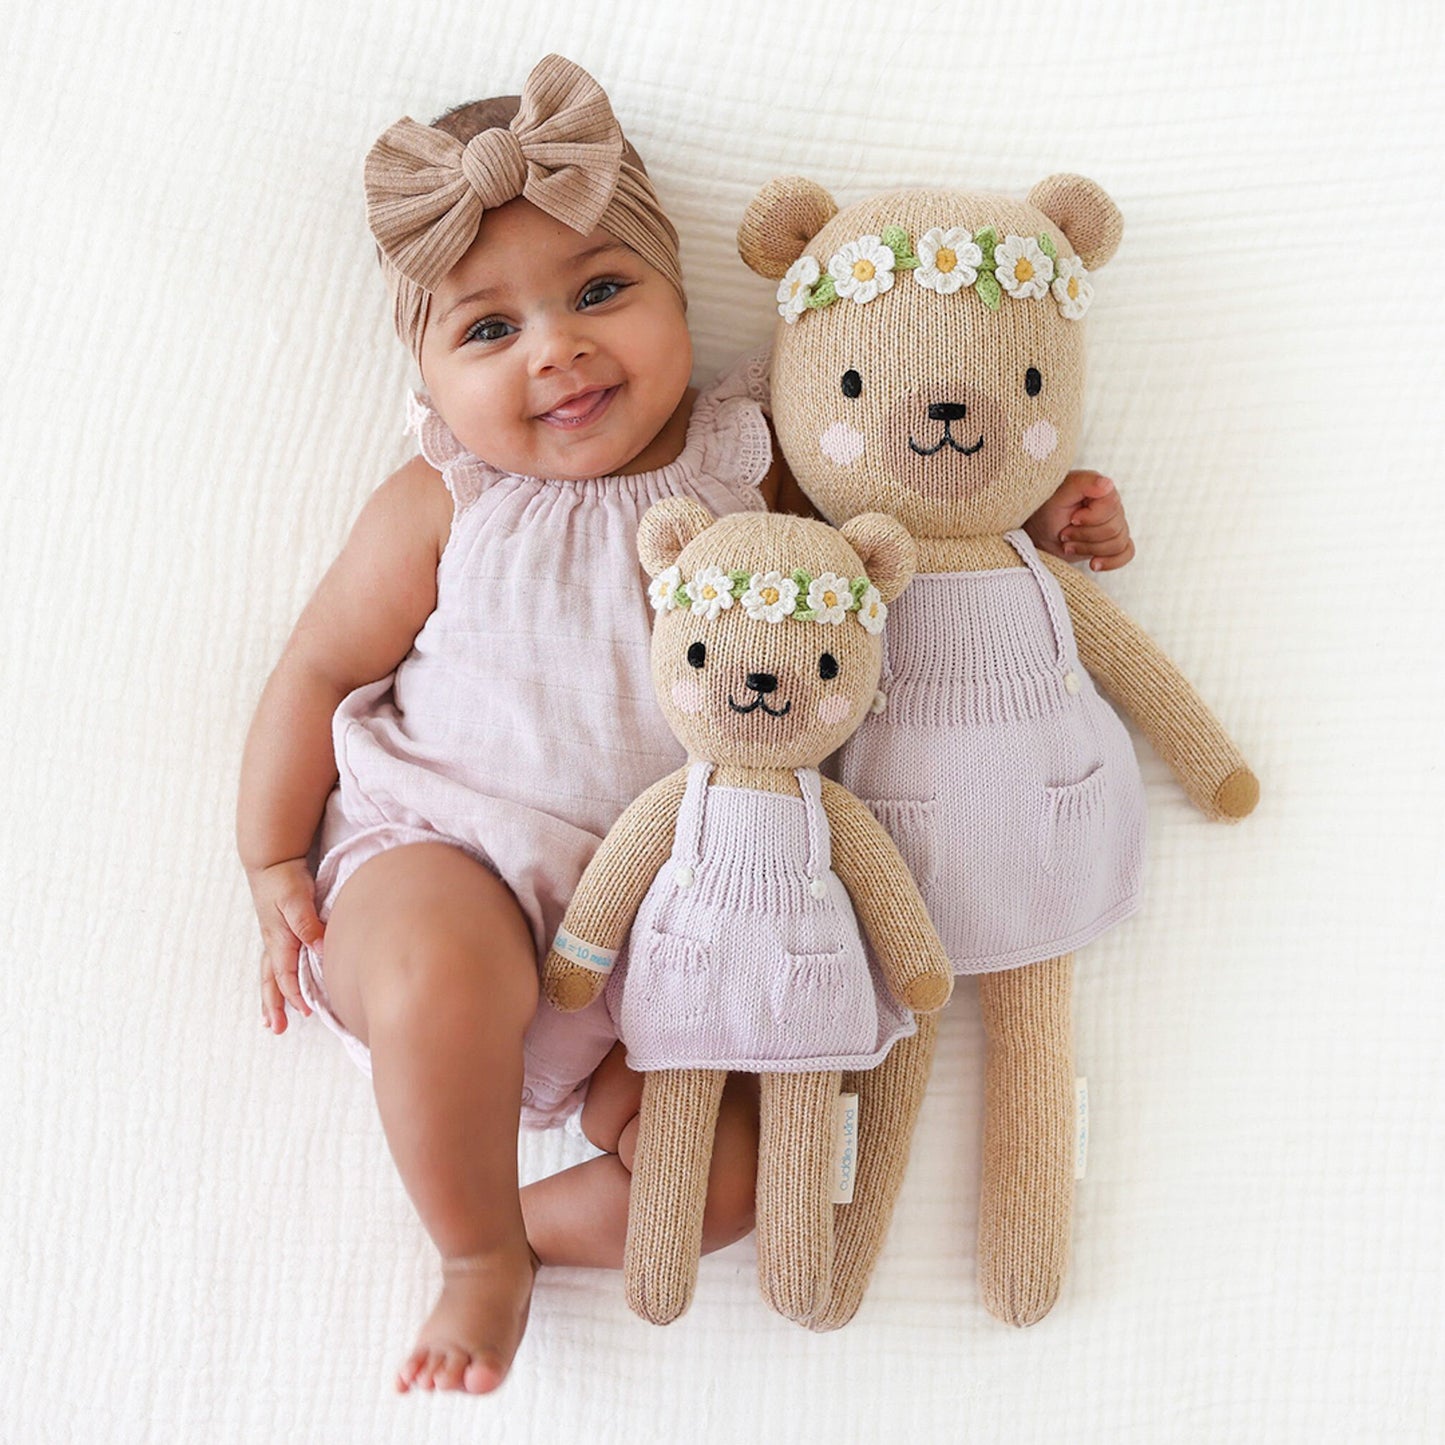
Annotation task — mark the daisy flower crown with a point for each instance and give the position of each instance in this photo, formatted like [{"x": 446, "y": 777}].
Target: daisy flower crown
[
  {"x": 947, "y": 260},
  {"x": 772, "y": 596}
]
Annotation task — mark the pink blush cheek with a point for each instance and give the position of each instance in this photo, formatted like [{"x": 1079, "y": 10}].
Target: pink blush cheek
[
  {"x": 833, "y": 710},
  {"x": 688, "y": 695},
  {"x": 1040, "y": 440},
  {"x": 841, "y": 444}
]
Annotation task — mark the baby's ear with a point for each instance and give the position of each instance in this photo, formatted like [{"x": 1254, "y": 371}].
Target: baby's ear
[
  {"x": 666, "y": 528},
  {"x": 1081, "y": 210},
  {"x": 780, "y": 221},
  {"x": 886, "y": 547}
]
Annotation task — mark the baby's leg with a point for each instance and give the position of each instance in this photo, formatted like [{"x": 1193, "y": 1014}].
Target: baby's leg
[
  {"x": 579, "y": 1216},
  {"x": 430, "y": 962}
]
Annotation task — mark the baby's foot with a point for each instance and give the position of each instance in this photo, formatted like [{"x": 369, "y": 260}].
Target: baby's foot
[{"x": 472, "y": 1334}]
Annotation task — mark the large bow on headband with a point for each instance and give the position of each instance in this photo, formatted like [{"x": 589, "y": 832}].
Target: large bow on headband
[{"x": 426, "y": 191}]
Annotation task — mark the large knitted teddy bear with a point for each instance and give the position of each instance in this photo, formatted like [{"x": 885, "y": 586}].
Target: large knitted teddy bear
[
  {"x": 742, "y": 879},
  {"x": 928, "y": 364}
]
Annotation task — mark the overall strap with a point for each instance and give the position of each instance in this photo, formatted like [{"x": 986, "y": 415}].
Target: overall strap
[
  {"x": 687, "y": 844},
  {"x": 820, "y": 839},
  {"x": 1052, "y": 595}
]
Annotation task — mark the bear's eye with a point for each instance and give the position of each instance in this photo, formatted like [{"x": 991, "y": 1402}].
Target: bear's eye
[
  {"x": 827, "y": 667},
  {"x": 852, "y": 384},
  {"x": 1033, "y": 381},
  {"x": 696, "y": 655}
]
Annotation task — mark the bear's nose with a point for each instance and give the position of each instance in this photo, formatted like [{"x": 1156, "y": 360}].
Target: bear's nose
[
  {"x": 947, "y": 411},
  {"x": 763, "y": 682}
]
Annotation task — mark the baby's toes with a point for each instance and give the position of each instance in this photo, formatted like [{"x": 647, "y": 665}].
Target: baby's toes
[
  {"x": 485, "y": 1372},
  {"x": 449, "y": 1372},
  {"x": 410, "y": 1372}
]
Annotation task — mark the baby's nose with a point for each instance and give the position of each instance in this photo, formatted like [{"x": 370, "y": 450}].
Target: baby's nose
[{"x": 762, "y": 682}]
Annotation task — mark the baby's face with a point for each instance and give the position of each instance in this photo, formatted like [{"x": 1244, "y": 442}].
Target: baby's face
[{"x": 552, "y": 354}]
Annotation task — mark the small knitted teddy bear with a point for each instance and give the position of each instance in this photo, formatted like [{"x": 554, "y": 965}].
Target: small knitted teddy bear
[
  {"x": 929, "y": 364},
  {"x": 743, "y": 878}
]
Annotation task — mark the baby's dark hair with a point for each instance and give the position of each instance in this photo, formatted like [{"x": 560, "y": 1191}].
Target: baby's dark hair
[{"x": 462, "y": 122}]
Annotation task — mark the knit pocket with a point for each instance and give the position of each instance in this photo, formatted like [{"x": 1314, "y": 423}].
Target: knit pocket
[
  {"x": 823, "y": 1003},
  {"x": 1072, "y": 825},
  {"x": 912, "y": 823},
  {"x": 677, "y": 980}
]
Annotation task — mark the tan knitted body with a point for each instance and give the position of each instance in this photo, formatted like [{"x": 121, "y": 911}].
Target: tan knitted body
[
  {"x": 888, "y": 1101},
  {"x": 1026, "y": 1201},
  {"x": 669, "y": 1190},
  {"x": 929, "y": 364},
  {"x": 818, "y": 677},
  {"x": 795, "y": 1176}
]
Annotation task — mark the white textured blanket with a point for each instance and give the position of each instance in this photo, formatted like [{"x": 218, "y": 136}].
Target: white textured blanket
[{"x": 204, "y": 1240}]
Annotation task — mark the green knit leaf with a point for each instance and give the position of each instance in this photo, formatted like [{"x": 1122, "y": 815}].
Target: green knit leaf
[
  {"x": 1046, "y": 245},
  {"x": 679, "y": 595},
  {"x": 825, "y": 293},
  {"x": 987, "y": 239},
  {"x": 740, "y": 582},
  {"x": 858, "y": 587},
  {"x": 896, "y": 239},
  {"x": 989, "y": 291},
  {"x": 804, "y": 581}
]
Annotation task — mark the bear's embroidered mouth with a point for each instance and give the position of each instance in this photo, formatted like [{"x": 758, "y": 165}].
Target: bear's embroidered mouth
[
  {"x": 946, "y": 441},
  {"x": 761, "y": 702}
]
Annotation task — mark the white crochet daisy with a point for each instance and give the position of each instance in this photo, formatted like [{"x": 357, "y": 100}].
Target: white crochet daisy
[
  {"x": 796, "y": 288},
  {"x": 770, "y": 597},
  {"x": 661, "y": 588},
  {"x": 1024, "y": 271},
  {"x": 1072, "y": 288},
  {"x": 828, "y": 597},
  {"x": 863, "y": 268},
  {"x": 947, "y": 260},
  {"x": 711, "y": 590},
  {"x": 871, "y": 611}
]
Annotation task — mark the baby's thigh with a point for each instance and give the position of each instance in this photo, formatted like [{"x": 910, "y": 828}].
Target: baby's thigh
[{"x": 426, "y": 916}]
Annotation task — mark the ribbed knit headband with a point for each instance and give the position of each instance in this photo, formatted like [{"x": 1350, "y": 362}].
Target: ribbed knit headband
[{"x": 426, "y": 191}]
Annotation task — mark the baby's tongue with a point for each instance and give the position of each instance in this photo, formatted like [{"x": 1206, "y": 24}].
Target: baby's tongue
[{"x": 578, "y": 406}]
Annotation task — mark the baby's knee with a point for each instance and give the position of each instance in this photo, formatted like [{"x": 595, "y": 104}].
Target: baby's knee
[{"x": 434, "y": 977}]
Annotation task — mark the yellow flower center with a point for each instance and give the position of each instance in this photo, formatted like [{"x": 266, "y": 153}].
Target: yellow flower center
[
  {"x": 1073, "y": 288},
  {"x": 863, "y": 270},
  {"x": 770, "y": 595},
  {"x": 1023, "y": 269},
  {"x": 708, "y": 591},
  {"x": 830, "y": 599},
  {"x": 945, "y": 260}
]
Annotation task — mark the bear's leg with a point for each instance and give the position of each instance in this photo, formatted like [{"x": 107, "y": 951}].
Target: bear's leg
[
  {"x": 795, "y": 1191},
  {"x": 1027, "y": 1202},
  {"x": 669, "y": 1190},
  {"x": 888, "y": 1100}
]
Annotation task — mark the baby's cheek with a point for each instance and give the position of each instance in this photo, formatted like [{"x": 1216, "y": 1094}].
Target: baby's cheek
[
  {"x": 1040, "y": 440},
  {"x": 688, "y": 695},
  {"x": 833, "y": 710},
  {"x": 842, "y": 444}
]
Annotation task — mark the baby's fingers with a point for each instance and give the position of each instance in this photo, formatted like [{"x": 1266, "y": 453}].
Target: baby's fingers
[{"x": 273, "y": 1006}]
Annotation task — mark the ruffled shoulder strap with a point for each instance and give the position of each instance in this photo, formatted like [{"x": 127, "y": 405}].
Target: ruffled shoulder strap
[
  {"x": 734, "y": 414},
  {"x": 466, "y": 476}
]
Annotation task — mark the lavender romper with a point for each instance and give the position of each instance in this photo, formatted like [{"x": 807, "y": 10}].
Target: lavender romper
[
  {"x": 523, "y": 721},
  {"x": 1008, "y": 783},
  {"x": 745, "y": 954}
]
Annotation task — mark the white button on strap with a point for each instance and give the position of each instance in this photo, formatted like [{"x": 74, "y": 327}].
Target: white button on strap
[
  {"x": 683, "y": 876},
  {"x": 818, "y": 887},
  {"x": 1071, "y": 683},
  {"x": 880, "y": 701}
]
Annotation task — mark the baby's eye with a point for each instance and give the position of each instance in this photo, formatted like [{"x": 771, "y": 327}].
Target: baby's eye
[
  {"x": 489, "y": 330},
  {"x": 852, "y": 384},
  {"x": 1033, "y": 381},
  {"x": 827, "y": 667},
  {"x": 696, "y": 655},
  {"x": 599, "y": 291}
]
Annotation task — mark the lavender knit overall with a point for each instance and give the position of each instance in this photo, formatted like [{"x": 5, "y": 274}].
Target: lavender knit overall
[
  {"x": 745, "y": 954},
  {"x": 1008, "y": 783}
]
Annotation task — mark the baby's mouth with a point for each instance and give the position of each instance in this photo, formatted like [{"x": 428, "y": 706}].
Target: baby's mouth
[{"x": 580, "y": 409}]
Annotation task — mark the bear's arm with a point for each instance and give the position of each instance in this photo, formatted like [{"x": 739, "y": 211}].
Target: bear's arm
[
  {"x": 1135, "y": 671},
  {"x": 612, "y": 888},
  {"x": 887, "y": 902}
]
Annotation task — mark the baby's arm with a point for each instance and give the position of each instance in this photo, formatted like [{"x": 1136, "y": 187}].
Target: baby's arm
[
  {"x": 357, "y": 627},
  {"x": 1084, "y": 518}
]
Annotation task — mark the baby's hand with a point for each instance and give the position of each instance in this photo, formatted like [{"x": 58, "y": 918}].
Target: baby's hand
[
  {"x": 1084, "y": 518},
  {"x": 285, "y": 899}
]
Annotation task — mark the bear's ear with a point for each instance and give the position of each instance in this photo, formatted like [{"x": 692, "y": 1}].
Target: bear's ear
[
  {"x": 780, "y": 221},
  {"x": 886, "y": 548},
  {"x": 1084, "y": 213},
  {"x": 666, "y": 528}
]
